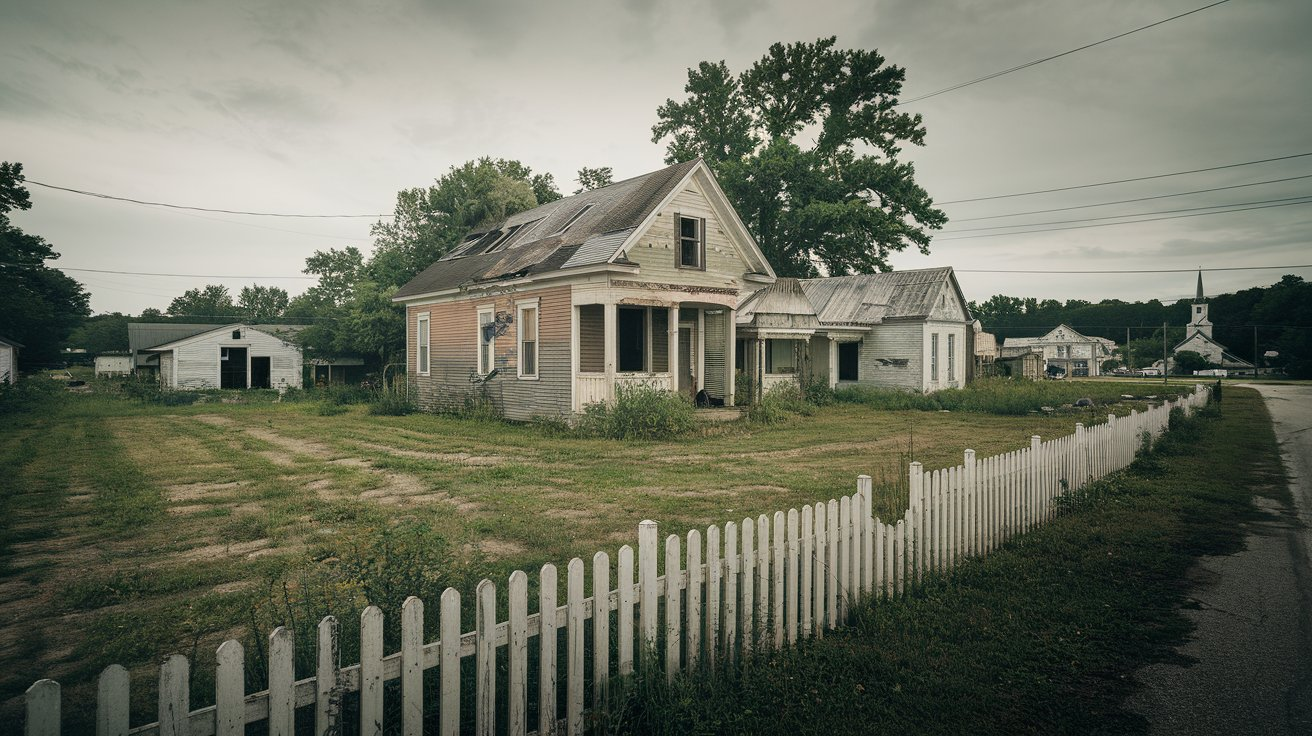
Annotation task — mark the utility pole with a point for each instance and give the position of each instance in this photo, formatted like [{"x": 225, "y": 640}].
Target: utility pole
[{"x": 1255, "y": 356}]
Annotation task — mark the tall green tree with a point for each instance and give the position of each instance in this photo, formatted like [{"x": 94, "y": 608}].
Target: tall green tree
[
  {"x": 806, "y": 144},
  {"x": 594, "y": 178},
  {"x": 39, "y": 305},
  {"x": 102, "y": 333},
  {"x": 205, "y": 304},
  {"x": 260, "y": 303}
]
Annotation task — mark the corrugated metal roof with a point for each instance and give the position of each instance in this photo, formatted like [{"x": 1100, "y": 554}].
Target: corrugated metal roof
[
  {"x": 593, "y": 237},
  {"x": 782, "y": 300},
  {"x": 868, "y": 299}
]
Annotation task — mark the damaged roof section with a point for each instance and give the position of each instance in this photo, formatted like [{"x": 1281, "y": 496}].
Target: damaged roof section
[
  {"x": 856, "y": 301},
  {"x": 583, "y": 230}
]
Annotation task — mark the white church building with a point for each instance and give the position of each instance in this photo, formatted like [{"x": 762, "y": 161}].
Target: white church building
[{"x": 1198, "y": 336}]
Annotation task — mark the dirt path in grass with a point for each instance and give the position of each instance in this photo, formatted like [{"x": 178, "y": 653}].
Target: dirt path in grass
[{"x": 1252, "y": 647}]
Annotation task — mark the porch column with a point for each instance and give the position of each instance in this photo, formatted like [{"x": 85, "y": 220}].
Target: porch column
[
  {"x": 700, "y": 383},
  {"x": 833, "y": 362},
  {"x": 759, "y": 349},
  {"x": 611, "y": 331},
  {"x": 672, "y": 325},
  {"x": 730, "y": 355}
]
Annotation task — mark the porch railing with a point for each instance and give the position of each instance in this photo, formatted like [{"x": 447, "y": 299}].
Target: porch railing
[{"x": 590, "y": 388}]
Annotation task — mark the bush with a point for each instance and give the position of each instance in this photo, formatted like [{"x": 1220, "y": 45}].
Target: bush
[
  {"x": 30, "y": 393},
  {"x": 394, "y": 403},
  {"x": 782, "y": 402},
  {"x": 990, "y": 396},
  {"x": 638, "y": 412}
]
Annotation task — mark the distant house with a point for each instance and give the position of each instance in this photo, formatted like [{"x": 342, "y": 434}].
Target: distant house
[
  {"x": 1065, "y": 350},
  {"x": 985, "y": 350},
  {"x": 113, "y": 364},
  {"x": 220, "y": 356},
  {"x": 1198, "y": 337},
  {"x": 908, "y": 330},
  {"x": 9, "y": 360},
  {"x": 1028, "y": 364},
  {"x": 554, "y": 308}
]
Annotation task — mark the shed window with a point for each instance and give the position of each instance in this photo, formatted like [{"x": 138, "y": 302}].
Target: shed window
[
  {"x": 780, "y": 356},
  {"x": 692, "y": 241},
  {"x": 847, "y": 360},
  {"x": 528, "y": 341},
  {"x": 486, "y": 342},
  {"x": 421, "y": 344}
]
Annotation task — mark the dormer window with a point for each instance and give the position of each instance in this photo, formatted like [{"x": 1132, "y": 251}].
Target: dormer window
[
  {"x": 575, "y": 218},
  {"x": 691, "y": 235},
  {"x": 504, "y": 239}
]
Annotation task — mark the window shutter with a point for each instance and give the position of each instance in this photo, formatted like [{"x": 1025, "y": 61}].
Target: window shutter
[
  {"x": 701, "y": 232},
  {"x": 678, "y": 240}
]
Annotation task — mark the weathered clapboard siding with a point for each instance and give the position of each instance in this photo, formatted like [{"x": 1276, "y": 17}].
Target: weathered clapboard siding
[
  {"x": 798, "y": 574},
  {"x": 8, "y": 364},
  {"x": 453, "y": 349},
  {"x": 882, "y": 350},
  {"x": 655, "y": 250},
  {"x": 943, "y": 329},
  {"x": 166, "y": 369}
]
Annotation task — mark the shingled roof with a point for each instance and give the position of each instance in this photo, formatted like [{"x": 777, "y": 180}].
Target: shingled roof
[{"x": 530, "y": 242}]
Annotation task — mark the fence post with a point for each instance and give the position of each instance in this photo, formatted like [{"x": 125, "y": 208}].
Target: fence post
[{"x": 915, "y": 517}]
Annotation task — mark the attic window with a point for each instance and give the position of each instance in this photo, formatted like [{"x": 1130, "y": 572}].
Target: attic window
[
  {"x": 570, "y": 223},
  {"x": 691, "y": 243},
  {"x": 504, "y": 239},
  {"x": 236, "y": 334}
]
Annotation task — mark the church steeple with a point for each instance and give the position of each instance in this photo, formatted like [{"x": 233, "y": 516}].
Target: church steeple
[
  {"x": 1198, "y": 298},
  {"x": 1199, "y": 321}
]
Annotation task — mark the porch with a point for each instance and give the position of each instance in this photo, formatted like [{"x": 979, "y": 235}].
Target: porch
[{"x": 680, "y": 346}]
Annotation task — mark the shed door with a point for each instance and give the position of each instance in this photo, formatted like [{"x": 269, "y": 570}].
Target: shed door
[
  {"x": 260, "y": 373},
  {"x": 232, "y": 368}
]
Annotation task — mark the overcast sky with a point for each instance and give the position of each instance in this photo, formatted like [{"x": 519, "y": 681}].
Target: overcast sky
[{"x": 314, "y": 106}]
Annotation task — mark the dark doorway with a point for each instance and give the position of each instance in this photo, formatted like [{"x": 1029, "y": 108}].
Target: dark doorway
[
  {"x": 632, "y": 336},
  {"x": 232, "y": 367},
  {"x": 260, "y": 372},
  {"x": 847, "y": 361}
]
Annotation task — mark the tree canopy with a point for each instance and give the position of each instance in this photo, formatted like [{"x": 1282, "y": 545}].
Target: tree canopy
[
  {"x": 805, "y": 143},
  {"x": 39, "y": 305}
]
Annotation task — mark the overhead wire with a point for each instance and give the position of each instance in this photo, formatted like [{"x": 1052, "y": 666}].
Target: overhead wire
[
  {"x": 1132, "y": 214},
  {"x": 101, "y": 195}
]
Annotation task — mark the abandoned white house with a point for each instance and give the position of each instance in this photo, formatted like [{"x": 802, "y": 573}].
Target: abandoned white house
[
  {"x": 1198, "y": 337},
  {"x": 903, "y": 329},
  {"x": 1064, "y": 350},
  {"x": 648, "y": 281},
  {"x": 9, "y": 360},
  {"x": 217, "y": 356}
]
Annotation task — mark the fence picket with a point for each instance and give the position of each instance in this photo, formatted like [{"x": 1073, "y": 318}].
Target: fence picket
[
  {"x": 805, "y": 568},
  {"x": 748, "y": 585},
  {"x": 230, "y": 689},
  {"x": 763, "y": 622},
  {"x": 547, "y": 589},
  {"x": 327, "y": 688},
  {"x": 714, "y": 576},
  {"x": 777, "y": 576},
  {"x": 574, "y": 638},
  {"x": 793, "y": 579},
  {"x": 517, "y": 654},
  {"x": 600, "y": 630},
  {"x": 831, "y": 564},
  {"x": 732, "y": 563},
  {"x": 693, "y": 595},
  {"x": 43, "y": 706},
  {"x": 485, "y": 658},
  {"x": 412, "y": 666},
  {"x": 371, "y": 672},
  {"x": 867, "y": 487},
  {"x": 112, "y": 701},
  {"x": 844, "y": 556},
  {"x": 647, "y": 540},
  {"x": 673, "y": 604},
  {"x": 282, "y": 680},
  {"x": 819, "y": 579},
  {"x": 449, "y": 663},
  {"x": 624, "y": 616},
  {"x": 174, "y": 696}
]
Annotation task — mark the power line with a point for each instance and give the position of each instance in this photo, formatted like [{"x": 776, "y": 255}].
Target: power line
[
  {"x": 178, "y": 275},
  {"x": 100, "y": 195},
  {"x": 1128, "y": 201},
  {"x": 1125, "y": 181},
  {"x": 1134, "y": 214},
  {"x": 1127, "y": 222},
  {"x": 1138, "y": 270},
  {"x": 1036, "y": 62}
]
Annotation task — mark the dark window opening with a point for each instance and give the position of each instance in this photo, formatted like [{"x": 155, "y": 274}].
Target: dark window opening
[
  {"x": 232, "y": 367},
  {"x": 236, "y": 334},
  {"x": 632, "y": 336},
  {"x": 847, "y": 360},
  {"x": 690, "y": 243},
  {"x": 740, "y": 355},
  {"x": 504, "y": 239},
  {"x": 570, "y": 223},
  {"x": 261, "y": 375}
]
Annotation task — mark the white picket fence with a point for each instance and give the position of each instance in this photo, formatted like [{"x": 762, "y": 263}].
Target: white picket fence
[{"x": 762, "y": 583}]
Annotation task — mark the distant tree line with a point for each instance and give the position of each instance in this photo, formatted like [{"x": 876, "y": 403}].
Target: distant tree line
[{"x": 1279, "y": 316}]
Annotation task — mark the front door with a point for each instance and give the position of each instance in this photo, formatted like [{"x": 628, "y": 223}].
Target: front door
[{"x": 687, "y": 381}]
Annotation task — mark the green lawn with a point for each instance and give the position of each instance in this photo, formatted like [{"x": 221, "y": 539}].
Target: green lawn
[{"x": 129, "y": 531}]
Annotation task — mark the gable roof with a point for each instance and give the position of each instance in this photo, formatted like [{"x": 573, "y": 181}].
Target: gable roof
[
  {"x": 782, "y": 303},
  {"x": 11, "y": 343},
  {"x": 282, "y": 332},
  {"x": 1047, "y": 338},
  {"x": 1228, "y": 360},
  {"x": 867, "y": 299},
  {"x": 597, "y": 225}
]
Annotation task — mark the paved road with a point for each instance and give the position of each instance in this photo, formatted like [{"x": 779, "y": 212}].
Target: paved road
[{"x": 1253, "y": 642}]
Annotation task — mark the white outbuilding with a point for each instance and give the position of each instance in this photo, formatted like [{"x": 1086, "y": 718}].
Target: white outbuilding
[
  {"x": 231, "y": 356},
  {"x": 9, "y": 361},
  {"x": 113, "y": 364}
]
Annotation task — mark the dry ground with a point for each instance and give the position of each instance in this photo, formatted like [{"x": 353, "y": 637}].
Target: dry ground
[{"x": 131, "y": 531}]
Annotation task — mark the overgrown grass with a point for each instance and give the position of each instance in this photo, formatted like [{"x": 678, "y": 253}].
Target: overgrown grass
[
  {"x": 638, "y": 413},
  {"x": 1041, "y": 637},
  {"x": 1004, "y": 395}
]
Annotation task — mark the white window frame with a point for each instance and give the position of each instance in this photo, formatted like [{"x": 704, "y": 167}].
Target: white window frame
[
  {"x": 952, "y": 357},
  {"x": 536, "y": 306},
  {"x": 933, "y": 357},
  {"x": 491, "y": 354},
  {"x": 423, "y": 344}
]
